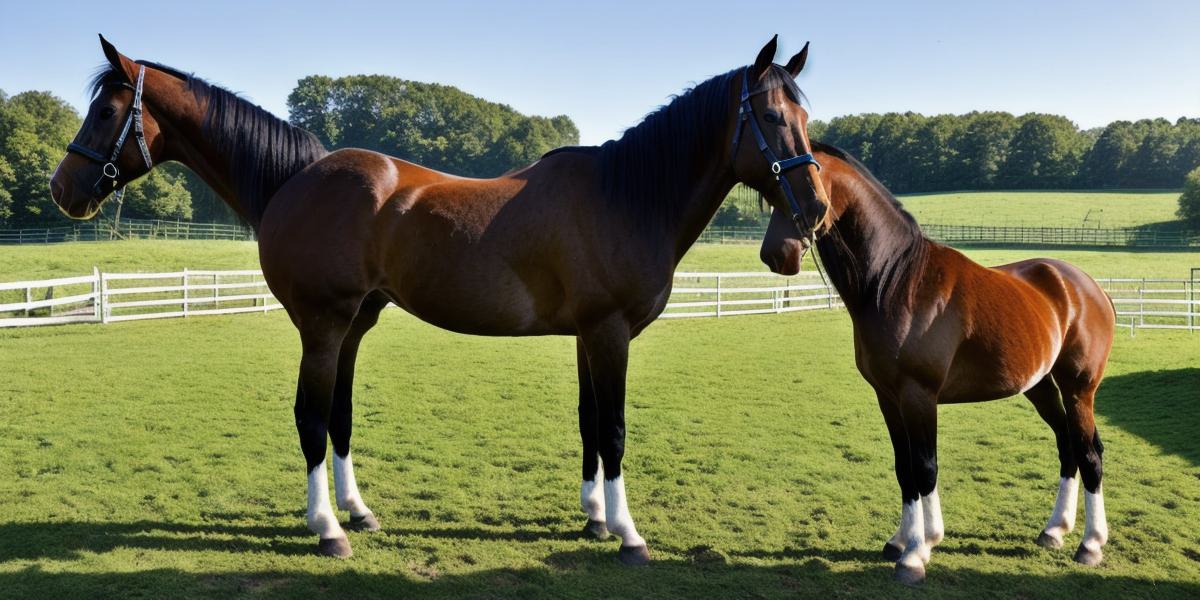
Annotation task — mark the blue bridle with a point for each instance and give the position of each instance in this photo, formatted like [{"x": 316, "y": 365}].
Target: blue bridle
[
  {"x": 778, "y": 167},
  {"x": 133, "y": 119}
]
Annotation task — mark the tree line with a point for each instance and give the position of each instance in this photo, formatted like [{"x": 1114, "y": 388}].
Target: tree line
[
  {"x": 911, "y": 152},
  {"x": 445, "y": 128}
]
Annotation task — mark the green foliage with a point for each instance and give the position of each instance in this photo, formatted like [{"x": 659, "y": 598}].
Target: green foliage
[
  {"x": 910, "y": 152},
  {"x": 35, "y": 128},
  {"x": 162, "y": 194},
  {"x": 1189, "y": 200},
  {"x": 434, "y": 125}
]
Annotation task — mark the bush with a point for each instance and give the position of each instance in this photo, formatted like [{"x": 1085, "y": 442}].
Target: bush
[{"x": 1189, "y": 200}]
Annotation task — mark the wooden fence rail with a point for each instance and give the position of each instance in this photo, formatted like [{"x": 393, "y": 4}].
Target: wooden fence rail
[{"x": 1141, "y": 303}]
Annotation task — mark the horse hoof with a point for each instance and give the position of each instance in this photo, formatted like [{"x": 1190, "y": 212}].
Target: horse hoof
[
  {"x": 1049, "y": 542},
  {"x": 367, "y": 522},
  {"x": 909, "y": 575},
  {"x": 595, "y": 530},
  {"x": 892, "y": 552},
  {"x": 1085, "y": 556},
  {"x": 335, "y": 547},
  {"x": 634, "y": 556}
]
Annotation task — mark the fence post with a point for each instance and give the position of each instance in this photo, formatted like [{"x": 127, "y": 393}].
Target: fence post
[
  {"x": 1142, "y": 304},
  {"x": 718, "y": 296},
  {"x": 104, "y": 310},
  {"x": 96, "y": 313},
  {"x": 28, "y": 299},
  {"x": 186, "y": 296}
]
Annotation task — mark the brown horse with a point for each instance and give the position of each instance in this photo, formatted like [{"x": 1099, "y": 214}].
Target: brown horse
[
  {"x": 583, "y": 242},
  {"x": 932, "y": 327}
]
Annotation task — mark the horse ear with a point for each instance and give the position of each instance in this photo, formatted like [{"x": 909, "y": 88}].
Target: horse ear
[
  {"x": 795, "y": 65},
  {"x": 118, "y": 61},
  {"x": 765, "y": 57}
]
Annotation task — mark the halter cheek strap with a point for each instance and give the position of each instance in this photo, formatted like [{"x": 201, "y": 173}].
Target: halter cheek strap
[
  {"x": 133, "y": 121},
  {"x": 778, "y": 167}
]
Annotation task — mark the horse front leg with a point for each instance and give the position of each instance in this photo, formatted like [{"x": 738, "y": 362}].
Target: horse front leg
[
  {"x": 921, "y": 524},
  {"x": 591, "y": 491},
  {"x": 606, "y": 343}
]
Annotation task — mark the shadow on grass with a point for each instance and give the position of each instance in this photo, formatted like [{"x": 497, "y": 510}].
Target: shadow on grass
[
  {"x": 586, "y": 574},
  {"x": 1161, "y": 407}
]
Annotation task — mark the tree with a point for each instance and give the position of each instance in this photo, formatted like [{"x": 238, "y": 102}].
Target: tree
[
  {"x": 1153, "y": 163},
  {"x": 161, "y": 194},
  {"x": 1106, "y": 164},
  {"x": 437, "y": 126},
  {"x": 1044, "y": 153},
  {"x": 1189, "y": 200},
  {"x": 35, "y": 128}
]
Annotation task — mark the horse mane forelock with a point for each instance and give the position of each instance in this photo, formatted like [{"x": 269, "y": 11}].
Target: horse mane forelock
[
  {"x": 263, "y": 150},
  {"x": 899, "y": 249}
]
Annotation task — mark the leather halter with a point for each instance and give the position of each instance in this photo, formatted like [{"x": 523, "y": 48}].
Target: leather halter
[
  {"x": 778, "y": 167},
  {"x": 133, "y": 120}
]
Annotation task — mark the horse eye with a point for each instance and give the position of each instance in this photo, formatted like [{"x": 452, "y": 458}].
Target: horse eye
[
  {"x": 107, "y": 112},
  {"x": 771, "y": 117}
]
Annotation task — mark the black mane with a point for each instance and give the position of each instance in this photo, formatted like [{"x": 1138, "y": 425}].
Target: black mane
[
  {"x": 263, "y": 150},
  {"x": 899, "y": 248},
  {"x": 649, "y": 171}
]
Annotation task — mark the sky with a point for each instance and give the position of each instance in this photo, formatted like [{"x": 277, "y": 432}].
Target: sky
[{"x": 606, "y": 64}]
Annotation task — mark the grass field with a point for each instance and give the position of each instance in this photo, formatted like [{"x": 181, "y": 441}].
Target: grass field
[
  {"x": 1083, "y": 208},
  {"x": 158, "y": 459}
]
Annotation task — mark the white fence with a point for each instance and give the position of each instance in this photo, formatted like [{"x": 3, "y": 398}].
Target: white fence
[{"x": 112, "y": 297}]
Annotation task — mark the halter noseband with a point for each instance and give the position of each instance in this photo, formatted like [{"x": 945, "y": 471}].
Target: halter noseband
[
  {"x": 778, "y": 167},
  {"x": 133, "y": 120}
]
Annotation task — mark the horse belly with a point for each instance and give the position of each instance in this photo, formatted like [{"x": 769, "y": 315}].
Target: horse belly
[
  {"x": 1003, "y": 365},
  {"x": 498, "y": 304}
]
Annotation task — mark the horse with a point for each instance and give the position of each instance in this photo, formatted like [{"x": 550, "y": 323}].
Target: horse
[
  {"x": 933, "y": 327},
  {"x": 584, "y": 242}
]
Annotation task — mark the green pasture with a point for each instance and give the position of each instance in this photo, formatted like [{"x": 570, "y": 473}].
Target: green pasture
[
  {"x": 158, "y": 460},
  {"x": 1057, "y": 208}
]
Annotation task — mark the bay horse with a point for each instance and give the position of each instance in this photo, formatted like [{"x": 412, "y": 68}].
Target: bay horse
[
  {"x": 583, "y": 242},
  {"x": 933, "y": 327}
]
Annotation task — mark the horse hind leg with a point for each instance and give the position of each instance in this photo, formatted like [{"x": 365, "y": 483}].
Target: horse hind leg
[
  {"x": 1049, "y": 405},
  {"x": 345, "y": 484},
  {"x": 1078, "y": 400}
]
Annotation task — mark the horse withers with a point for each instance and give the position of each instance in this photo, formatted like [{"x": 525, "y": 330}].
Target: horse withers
[
  {"x": 584, "y": 242},
  {"x": 933, "y": 327}
]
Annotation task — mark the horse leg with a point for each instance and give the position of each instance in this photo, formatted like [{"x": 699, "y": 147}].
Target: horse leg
[
  {"x": 341, "y": 419},
  {"x": 1078, "y": 399},
  {"x": 923, "y": 511},
  {"x": 321, "y": 333},
  {"x": 591, "y": 494},
  {"x": 1046, "y": 400},
  {"x": 607, "y": 345},
  {"x": 894, "y": 547}
]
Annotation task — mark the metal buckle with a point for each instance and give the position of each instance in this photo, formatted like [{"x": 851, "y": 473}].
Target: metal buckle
[
  {"x": 110, "y": 167},
  {"x": 775, "y": 168}
]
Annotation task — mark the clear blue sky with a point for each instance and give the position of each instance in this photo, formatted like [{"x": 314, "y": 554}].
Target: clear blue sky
[{"x": 605, "y": 64}]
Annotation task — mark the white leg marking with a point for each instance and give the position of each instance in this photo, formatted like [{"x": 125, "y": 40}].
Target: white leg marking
[
  {"x": 912, "y": 536},
  {"x": 931, "y": 506},
  {"x": 321, "y": 519},
  {"x": 1062, "y": 520},
  {"x": 591, "y": 496},
  {"x": 346, "y": 487},
  {"x": 1095, "y": 529},
  {"x": 617, "y": 513}
]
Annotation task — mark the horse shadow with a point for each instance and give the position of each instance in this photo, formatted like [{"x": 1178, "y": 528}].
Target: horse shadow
[{"x": 1161, "y": 407}]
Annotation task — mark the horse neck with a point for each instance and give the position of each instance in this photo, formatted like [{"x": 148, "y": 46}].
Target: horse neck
[
  {"x": 874, "y": 253},
  {"x": 180, "y": 117},
  {"x": 705, "y": 198}
]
